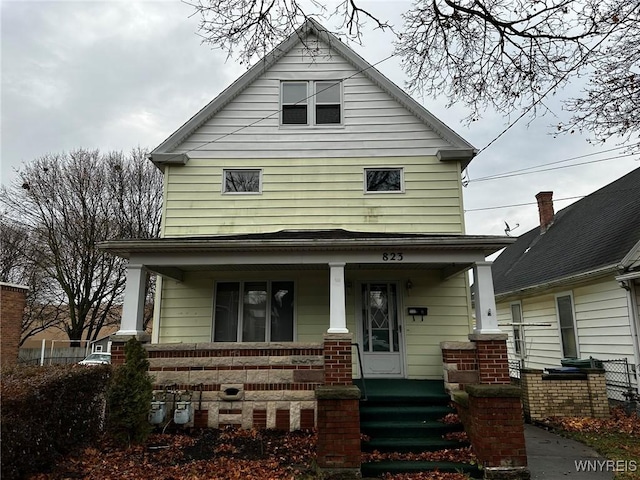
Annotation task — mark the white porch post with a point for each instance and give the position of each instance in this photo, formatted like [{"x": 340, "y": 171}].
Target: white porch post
[
  {"x": 337, "y": 309},
  {"x": 486, "y": 315},
  {"x": 133, "y": 305}
]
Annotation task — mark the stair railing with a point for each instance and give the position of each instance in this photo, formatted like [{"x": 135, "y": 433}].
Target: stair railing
[{"x": 364, "y": 386}]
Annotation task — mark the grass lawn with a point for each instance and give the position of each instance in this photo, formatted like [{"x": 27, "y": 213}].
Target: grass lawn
[{"x": 617, "y": 438}]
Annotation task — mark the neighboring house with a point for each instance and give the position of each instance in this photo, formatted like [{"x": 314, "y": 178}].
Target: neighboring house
[
  {"x": 570, "y": 288},
  {"x": 312, "y": 196}
]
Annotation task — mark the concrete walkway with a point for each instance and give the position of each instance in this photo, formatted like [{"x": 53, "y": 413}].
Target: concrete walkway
[{"x": 552, "y": 457}]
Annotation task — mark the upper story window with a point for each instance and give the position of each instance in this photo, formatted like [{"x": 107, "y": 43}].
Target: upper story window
[
  {"x": 311, "y": 103},
  {"x": 242, "y": 181},
  {"x": 382, "y": 180}
]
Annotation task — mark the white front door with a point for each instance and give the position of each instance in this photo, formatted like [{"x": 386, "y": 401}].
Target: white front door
[{"x": 380, "y": 330}]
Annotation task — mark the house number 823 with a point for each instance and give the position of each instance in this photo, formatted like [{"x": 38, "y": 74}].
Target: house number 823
[{"x": 392, "y": 257}]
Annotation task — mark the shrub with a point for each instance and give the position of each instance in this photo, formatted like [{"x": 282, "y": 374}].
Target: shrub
[
  {"x": 129, "y": 397},
  {"x": 47, "y": 412}
]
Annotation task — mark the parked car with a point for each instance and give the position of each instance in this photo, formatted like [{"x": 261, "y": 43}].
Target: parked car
[{"x": 97, "y": 358}]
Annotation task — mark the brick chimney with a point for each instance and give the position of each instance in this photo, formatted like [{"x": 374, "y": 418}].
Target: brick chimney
[{"x": 545, "y": 209}]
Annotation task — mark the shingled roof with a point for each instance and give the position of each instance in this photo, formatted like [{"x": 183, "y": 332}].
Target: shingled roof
[{"x": 592, "y": 234}]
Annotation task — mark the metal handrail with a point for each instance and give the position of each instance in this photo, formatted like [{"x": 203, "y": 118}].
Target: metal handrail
[{"x": 364, "y": 386}]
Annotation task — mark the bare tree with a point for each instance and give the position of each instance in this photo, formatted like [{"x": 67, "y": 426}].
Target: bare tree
[
  {"x": 504, "y": 54},
  {"x": 67, "y": 203},
  {"x": 44, "y": 305}
]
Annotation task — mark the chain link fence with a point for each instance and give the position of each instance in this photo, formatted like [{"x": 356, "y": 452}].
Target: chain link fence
[{"x": 621, "y": 381}]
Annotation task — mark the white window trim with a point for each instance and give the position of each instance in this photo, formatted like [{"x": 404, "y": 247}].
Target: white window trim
[
  {"x": 268, "y": 308},
  {"x": 523, "y": 346},
  {"x": 383, "y": 192},
  {"x": 575, "y": 322},
  {"x": 224, "y": 181},
  {"x": 311, "y": 105}
]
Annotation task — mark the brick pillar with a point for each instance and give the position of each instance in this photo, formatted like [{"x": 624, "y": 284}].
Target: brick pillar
[
  {"x": 338, "y": 446},
  {"x": 460, "y": 364},
  {"x": 117, "y": 346},
  {"x": 492, "y": 416},
  {"x": 491, "y": 353},
  {"x": 337, "y": 359},
  {"x": 12, "y": 304}
]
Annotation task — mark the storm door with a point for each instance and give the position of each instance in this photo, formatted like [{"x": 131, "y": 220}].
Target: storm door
[{"x": 380, "y": 329}]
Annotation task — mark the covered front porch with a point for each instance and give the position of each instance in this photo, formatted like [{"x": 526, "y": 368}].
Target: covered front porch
[{"x": 399, "y": 295}]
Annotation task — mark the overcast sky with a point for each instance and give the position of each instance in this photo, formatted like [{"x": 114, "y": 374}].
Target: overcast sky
[{"x": 118, "y": 74}]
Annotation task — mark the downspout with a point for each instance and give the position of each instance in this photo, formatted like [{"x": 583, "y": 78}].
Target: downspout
[{"x": 629, "y": 286}]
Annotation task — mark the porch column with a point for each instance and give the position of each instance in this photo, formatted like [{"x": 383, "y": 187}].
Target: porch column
[
  {"x": 133, "y": 305},
  {"x": 486, "y": 316},
  {"x": 337, "y": 309}
]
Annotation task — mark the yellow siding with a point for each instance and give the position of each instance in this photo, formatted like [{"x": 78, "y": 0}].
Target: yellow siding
[
  {"x": 314, "y": 194},
  {"x": 187, "y": 315}
]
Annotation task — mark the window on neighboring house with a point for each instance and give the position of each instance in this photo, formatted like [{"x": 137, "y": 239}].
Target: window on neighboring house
[
  {"x": 242, "y": 181},
  {"x": 564, "y": 304},
  {"x": 322, "y": 107},
  {"x": 383, "y": 180},
  {"x": 249, "y": 311},
  {"x": 518, "y": 331}
]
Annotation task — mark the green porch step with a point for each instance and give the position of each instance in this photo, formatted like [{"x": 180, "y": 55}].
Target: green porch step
[
  {"x": 410, "y": 444},
  {"x": 376, "y": 469},
  {"x": 397, "y": 413},
  {"x": 403, "y": 416},
  {"x": 407, "y": 428}
]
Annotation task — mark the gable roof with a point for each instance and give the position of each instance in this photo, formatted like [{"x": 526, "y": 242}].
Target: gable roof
[
  {"x": 460, "y": 150},
  {"x": 595, "y": 234}
]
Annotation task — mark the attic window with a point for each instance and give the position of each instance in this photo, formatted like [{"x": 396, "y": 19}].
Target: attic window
[
  {"x": 294, "y": 103},
  {"x": 242, "y": 181},
  {"x": 311, "y": 102}
]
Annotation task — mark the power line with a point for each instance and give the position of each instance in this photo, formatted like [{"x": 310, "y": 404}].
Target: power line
[
  {"x": 500, "y": 175},
  {"x": 550, "y": 89},
  {"x": 555, "y": 200},
  {"x": 518, "y": 173}
]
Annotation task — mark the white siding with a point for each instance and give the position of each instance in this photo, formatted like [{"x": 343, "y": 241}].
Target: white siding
[
  {"x": 602, "y": 322},
  {"x": 602, "y": 319},
  {"x": 375, "y": 125}
]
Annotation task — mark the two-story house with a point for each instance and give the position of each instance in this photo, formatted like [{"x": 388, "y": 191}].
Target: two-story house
[{"x": 311, "y": 198}]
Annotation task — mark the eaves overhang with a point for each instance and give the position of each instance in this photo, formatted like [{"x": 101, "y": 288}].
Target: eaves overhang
[
  {"x": 566, "y": 281},
  {"x": 126, "y": 248}
]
